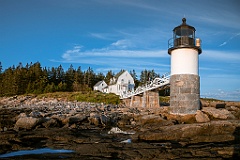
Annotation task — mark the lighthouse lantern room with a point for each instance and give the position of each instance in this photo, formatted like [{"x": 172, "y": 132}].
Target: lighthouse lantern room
[{"x": 184, "y": 49}]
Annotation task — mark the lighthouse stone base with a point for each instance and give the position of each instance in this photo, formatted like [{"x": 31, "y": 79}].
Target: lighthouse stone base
[{"x": 184, "y": 94}]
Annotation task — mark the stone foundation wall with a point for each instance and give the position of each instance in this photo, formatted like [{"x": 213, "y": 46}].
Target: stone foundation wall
[
  {"x": 184, "y": 94},
  {"x": 149, "y": 99},
  {"x": 136, "y": 101}
]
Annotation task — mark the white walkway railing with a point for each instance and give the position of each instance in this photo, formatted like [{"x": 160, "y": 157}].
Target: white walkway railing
[{"x": 156, "y": 83}]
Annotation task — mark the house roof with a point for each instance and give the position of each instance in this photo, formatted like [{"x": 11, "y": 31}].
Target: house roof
[
  {"x": 98, "y": 83},
  {"x": 119, "y": 74},
  {"x": 116, "y": 77}
]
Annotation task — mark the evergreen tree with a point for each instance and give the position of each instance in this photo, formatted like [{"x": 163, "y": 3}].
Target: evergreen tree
[
  {"x": 52, "y": 75},
  {"x": 147, "y": 75},
  {"x": 78, "y": 83},
  {"x": 37, "y": 79},
  {"x": 88, "y": 80},
  {"x": 109, "y": 75},
  {"x": 8, "y": 82},
  {"x": 21, "y": 80},
  {"x": 136, "y": 81},
  {"x": 144, "y": 77},
  {"x": 99, "y": 77},
  {"x": 69, "y": 78},
  {"x": 0, "y": 67},
  {"x": 50, "y": 88},
  {"x": 1, "y": 77},
  {"x": 59, "y": 74}
]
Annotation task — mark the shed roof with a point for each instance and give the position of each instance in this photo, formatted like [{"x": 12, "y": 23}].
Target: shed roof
[{"x": 98, "y": 83}]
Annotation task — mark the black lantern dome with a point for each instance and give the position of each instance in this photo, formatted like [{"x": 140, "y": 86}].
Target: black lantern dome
[{"x": 184, "y": 37}]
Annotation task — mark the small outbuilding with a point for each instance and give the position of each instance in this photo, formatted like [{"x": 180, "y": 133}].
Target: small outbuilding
[{"x": 100, "y": 86}]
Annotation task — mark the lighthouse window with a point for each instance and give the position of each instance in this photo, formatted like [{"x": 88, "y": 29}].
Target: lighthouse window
[{"x": 184, "y": 32}]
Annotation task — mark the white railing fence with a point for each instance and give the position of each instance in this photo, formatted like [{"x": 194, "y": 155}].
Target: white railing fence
[{"x": 156, "y": 83}]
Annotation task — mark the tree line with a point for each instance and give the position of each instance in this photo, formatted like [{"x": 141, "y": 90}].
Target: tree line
[{"x": 33, "y": 78}]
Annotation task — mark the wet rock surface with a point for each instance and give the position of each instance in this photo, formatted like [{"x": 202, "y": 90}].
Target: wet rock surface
[{"x": 28, "y": 123}]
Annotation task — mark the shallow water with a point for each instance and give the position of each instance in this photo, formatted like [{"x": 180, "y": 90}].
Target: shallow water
[{"x": 35, "y": 151}]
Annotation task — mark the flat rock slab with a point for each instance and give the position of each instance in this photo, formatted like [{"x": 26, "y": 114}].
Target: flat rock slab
[
  {"x": 214, "y": 131},
  {"x": 218, "y": 113}
]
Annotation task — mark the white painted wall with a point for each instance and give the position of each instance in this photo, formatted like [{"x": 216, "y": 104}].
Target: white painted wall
[
  {"x": 184, "y": 61},
  {"x": 124, "y": 83},
  {"x": 112, "y": 89},
  {"x": 100, "y": 87}
]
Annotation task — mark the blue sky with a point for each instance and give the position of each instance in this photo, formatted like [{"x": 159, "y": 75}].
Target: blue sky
[{"x": 123, "y": 34}]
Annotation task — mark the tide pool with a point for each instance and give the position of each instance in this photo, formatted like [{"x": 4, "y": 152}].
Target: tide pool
[{"x": 35, "y": 151}]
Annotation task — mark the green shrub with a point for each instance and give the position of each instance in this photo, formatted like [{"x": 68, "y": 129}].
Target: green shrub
[{"x": 165, "y": 99}]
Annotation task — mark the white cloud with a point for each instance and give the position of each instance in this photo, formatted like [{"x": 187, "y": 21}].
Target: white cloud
[
  {"x": 122, "y": 44},
  {"x": 232, "y": 37},
  {"x": 210, "y": 69},
  {"x": 221, "y": 55},
  {"x": 116, "y": 59},
  {"x": 70, "y": 54},
  {"x": 77, "y": 54},
  {"x": 103, "y": 36},
  {"x": 222, "y": 94},
  {"x": 223, "y": 44}
]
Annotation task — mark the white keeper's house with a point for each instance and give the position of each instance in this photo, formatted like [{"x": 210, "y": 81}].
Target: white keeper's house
[{"x": 122, "y": 82}]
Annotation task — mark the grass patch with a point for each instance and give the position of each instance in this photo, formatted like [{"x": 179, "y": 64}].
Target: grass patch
[
  {"x": 211, "y": 100},
  {"x": 92, "y": 96},
  {"x": 98, "y": 97},
  {"x": 164, "y": 99}
]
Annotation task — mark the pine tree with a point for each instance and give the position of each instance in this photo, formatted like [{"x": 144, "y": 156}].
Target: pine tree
[
  {"x": 136, "y": 81},
  {"x": 52, "y": 75},
  {"x": 0, "y": 67},
  {"x": 59, "y": 74},
  {"x": 78, "y": 80},
  {"x": 144, "y": 77},
  {"x": 1, "y": 78},
  {"x": 99, "y": 77},
  {"x": 109, "y": 75},
  {"x": 20, "y": 75},
  {"x": 69, "y": 78},
  {"x": 8, "y": 82}
]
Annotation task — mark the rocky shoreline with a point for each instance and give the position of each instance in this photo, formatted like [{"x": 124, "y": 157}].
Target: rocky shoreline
[{"x": 27, "y": 122}]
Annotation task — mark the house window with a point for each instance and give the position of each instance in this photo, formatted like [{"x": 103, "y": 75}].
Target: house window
[{"x": 129, "y": 85}]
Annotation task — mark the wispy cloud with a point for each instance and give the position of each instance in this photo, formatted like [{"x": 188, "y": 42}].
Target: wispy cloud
[
  {"x": 232, "y": 37},
  {"x": 223, "y": 44},
  {"x": 123, "y": 44},
  {"x": 221, "y": 55},
  {"x": 103, "y": 36},
  {"x": 210, "y": 69},
  {"x": 225, "y": 76},
  {"x": 140, "y": 4},
  {"x": 75, "y": 53},
  {"x": 110, "y": 59},
  {"x": 222, "y": 94}
]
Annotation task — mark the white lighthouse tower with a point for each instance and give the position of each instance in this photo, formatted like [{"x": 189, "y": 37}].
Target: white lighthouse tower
[{"x": 184, "y": 82}]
